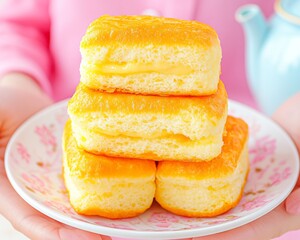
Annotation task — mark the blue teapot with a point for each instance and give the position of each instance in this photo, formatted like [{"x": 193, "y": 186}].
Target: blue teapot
[{"x": 272, "y": 52}]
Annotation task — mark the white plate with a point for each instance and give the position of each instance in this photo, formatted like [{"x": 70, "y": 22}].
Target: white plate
[{"x": 34, "y": 166}]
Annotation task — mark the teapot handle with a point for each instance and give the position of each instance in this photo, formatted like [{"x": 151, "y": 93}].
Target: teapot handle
[{"x": 284, "y": 14}]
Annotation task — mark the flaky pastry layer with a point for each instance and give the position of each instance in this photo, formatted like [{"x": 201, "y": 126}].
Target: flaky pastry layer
[
  {"x": 142, "y": 116},
  {"x": 150, "y": 55},
  {"x": 206, "y": 189},
  {"x": 108, "y": 187},
  {"x": 171, "y": 147}
]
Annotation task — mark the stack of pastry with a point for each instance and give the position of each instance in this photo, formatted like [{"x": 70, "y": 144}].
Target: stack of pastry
[{"x": 149, "y": 119}]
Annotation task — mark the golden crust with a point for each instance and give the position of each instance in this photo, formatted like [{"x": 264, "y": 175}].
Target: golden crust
[
  {"x": 171, "y": 147},
  {"x": 89, "y": 100},
  {"x": 143, "y": 30},
  {"x": 207, "y": 189},
  {"x": 226, "y": 207},
  {"x": 96, "y": 211},
  {"x": 235, "y": 137},
  {"x": 88, "y": 165}
]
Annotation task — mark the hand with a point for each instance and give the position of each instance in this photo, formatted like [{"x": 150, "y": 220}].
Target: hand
[
  {"x": 20, "y": 97},
  {"x": 285, "y": 217}
]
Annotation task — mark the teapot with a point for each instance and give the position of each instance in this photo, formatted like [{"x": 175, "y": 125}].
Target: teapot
[{"x": 272, "y": 52}]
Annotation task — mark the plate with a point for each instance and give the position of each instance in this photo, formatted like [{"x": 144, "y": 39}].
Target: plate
[{"x": 34, "y": 167}]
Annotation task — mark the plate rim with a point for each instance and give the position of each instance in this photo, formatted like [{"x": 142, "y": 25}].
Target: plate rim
[{"x": 178, "y": 234}]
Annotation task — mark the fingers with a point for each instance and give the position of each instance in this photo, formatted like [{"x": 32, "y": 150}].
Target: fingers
[
  {"x": 2, "y": 152},
  {"x": 38, "y": 226},
  {"x": 106, "y": 238},
  {"x": 270, "y": 226},
  {"x": 290, "y": 124},
  {"x": 3, "y": 142},
  {"x": 246, "y": 232},
  {"x": 292, "y": 203},
  {"x": 32, "y": 223}
]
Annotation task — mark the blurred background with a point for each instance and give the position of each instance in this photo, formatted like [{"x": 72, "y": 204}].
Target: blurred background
[{"x": 7, "y": 232}]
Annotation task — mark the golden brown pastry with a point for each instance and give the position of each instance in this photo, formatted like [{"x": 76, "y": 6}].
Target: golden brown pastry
[
  {"x": 206, "y": 189},
  {"x": 173, "y": 147},
  {"x": 149, "y": 127},
  {"x": 104, "y": 186},
  {"x": 150, "y": 55}
]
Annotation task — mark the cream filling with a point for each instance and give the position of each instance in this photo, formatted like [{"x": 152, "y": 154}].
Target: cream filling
[
  {"x": 175, "y": 137},
  {"x": 136, "y": 68}
]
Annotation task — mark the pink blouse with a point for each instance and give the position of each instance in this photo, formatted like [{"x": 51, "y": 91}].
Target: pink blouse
[{"x": 41, "y": 37}]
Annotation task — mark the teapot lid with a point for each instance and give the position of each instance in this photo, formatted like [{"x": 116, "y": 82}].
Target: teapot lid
[{"x": 289, "y": 10}]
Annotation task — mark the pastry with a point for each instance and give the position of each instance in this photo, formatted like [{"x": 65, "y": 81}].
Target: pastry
[
  {"x": 151, "y": 127},
  {"x": 150, "y": 55},
  {"x": 171, "y": 147},
  {"x": 104, "y": 186},
  {"x": 206, "y": 189}
]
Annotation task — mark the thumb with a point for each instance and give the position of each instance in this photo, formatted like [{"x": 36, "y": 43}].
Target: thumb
[
  {"x": 267, "y": 227},
  {"x": 292, "y": 203},
  {"x": 39, "y": 227}
]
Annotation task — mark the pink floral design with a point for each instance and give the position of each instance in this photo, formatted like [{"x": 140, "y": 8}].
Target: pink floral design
[
  {"x": 47, "y": 138},
  {"x": 121, "y": 226},
  {"x": 263, "y": 172},
  {"x": 164, "y": 219},
  {"x": 222, "y": 220},
  {"x": 34, "y": 183},
  {"x": 263, "y": 148},
  {"x": 22, "y": 150},
  {"x": 254, "y": 203},
  {"x": 59, "y": 206},
  {"x": 277, "y": 177}
]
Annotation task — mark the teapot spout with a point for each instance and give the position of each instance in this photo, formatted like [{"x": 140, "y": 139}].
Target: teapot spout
[{"x": 255, "y": 28}]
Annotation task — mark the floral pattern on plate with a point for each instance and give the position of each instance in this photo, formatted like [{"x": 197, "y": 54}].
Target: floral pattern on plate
[{"x": 34, "y": 167}]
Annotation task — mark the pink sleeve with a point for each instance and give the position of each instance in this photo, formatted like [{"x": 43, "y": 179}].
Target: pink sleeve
[{"x": 24, "y": 41}]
